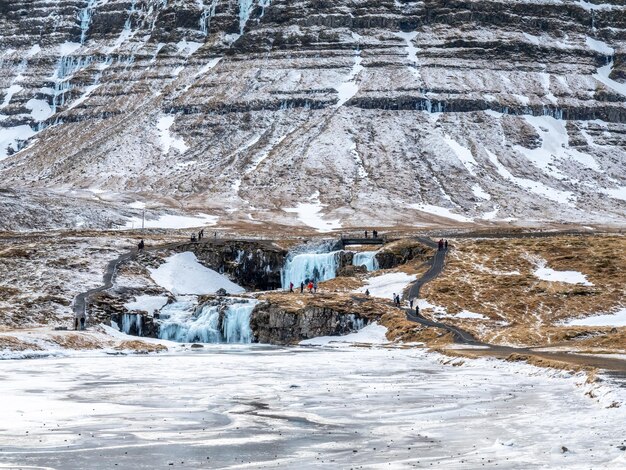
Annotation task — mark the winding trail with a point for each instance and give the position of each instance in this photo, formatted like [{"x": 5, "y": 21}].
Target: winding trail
[
  {"x": 616, "y": 367},
  {"x": 80, "y": 301}
]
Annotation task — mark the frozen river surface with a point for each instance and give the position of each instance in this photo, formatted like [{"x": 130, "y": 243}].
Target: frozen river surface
[{"x": 259, "y": 407}]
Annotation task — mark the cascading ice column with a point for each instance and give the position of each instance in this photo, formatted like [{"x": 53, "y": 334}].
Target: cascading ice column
[
  {"x": 367, "y": 259},
  {"x": 310, "y": 267}
]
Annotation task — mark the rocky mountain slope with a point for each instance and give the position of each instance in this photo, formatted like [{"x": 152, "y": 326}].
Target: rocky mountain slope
[{"x": 355, "y": 112}]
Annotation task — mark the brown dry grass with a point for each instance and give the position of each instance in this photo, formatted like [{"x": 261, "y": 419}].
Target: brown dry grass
[
  {"x": 15, "y": 344},
  {"x": 140, "y": 346},
  {"x": 478, "y": 277},
  {"x": 76, "y": 341}
]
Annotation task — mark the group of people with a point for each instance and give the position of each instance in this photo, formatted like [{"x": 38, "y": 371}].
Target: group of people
[
  {"x": 79, "y": 320},
  {"x": 398, "y": 303},
  {"x": 443, "y": 244},
  {"x": 311, "y": 285},
  {"x": 374, "y": 234},
  {"x": 198, "y": 237}
]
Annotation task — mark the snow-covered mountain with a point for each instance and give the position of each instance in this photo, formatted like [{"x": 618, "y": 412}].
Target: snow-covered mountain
[{"x": 313, "y": 111}]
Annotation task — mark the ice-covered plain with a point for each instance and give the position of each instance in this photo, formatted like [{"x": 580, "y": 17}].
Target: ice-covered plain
[{"x": 267, "y": 407}]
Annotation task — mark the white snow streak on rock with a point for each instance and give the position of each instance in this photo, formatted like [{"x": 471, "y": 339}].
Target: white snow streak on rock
[
  {"x": 440, "y": 211},
  {"x": 480, "y": 192},
  {"x": 8, "y": 94},
  {"x": 182, "y": 274},
  {"x": 11, "y": 136},
  {"x": 463, "y": 154},
  {"x": 599, "y": 46},
  {"x": 615, "y": 193},
  {"x": 535, "y": 187},
  {"x": 554, "y": 147},
  {"x": 348, "y": 88},
  {"x": 603, "y": 76},
  {"x": 167, "y": 140},
  {"x": 411, "y": 51},
  {"x": 173, "y": 221},
  {"x": 40, "y": 110},
  {"x": 310, "y": 214}
]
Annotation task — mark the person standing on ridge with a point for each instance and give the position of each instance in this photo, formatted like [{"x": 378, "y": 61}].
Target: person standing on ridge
[
  {"x": 310, "y": 287},
  {"x": 417, "y": 309},
  {"x": 141, "y": 245},
  {"x": 445, "y": 245},
  {"x": 411, "y": 304},
  {"x": 367, "y": 292},
  {"x": 441, "y": 244},
  {"x": 291, "y": 287},
  {"x": 302, "y": 287},
  {"x": 315, "y": 287}
]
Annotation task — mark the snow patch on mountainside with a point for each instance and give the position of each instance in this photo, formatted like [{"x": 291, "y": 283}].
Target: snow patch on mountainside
[
  {"x": 167, "y": 139},
  {"x": 310, "y": 213}
]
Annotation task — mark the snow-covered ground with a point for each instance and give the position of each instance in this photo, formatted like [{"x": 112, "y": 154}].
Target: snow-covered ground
[
  {"x": 182, "y": 274},
  {"x": 253, "y": 407},
  {"x": 172, "y": 221},
  {"x": 568, "y": 277},
  {"x": 617, "y": 319},
  {"x": 388, "y": 284},
  {"x": 370, "y": 334}
]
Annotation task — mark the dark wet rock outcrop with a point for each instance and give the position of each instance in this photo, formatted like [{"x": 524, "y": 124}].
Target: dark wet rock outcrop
[
  {"x": 274, "y": 324},
  {"x": 255, "y": 265},
  {"x": 401, "y": 252}
]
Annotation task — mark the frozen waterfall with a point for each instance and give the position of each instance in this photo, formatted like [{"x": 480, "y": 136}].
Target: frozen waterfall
[
  {"x": 367, "y": 259},
  {"x": 310, "y": 267},
  {"x": 131, "y": 324},
  {"x": 184, "y": 323}
]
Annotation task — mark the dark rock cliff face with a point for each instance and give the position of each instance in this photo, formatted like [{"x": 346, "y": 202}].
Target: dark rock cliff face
[
  {"x": 384, "y": 108},
  {"x": 392, "y": 256},
  {"x": 253, "y": 265},
  {"x": 272, "y": 324}
]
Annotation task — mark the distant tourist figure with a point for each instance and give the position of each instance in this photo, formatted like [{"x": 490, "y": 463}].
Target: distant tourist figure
[
  {"x": 141, "y": 245},
  {"x": 367, "y": 292},
  {"x": 310, "y": 287},
  {"x": 375, "y": 234},
  {"x": 302, "y": 287},
  {"x": 193, "y": 237},
  {"x": 315, "y": 287},
  {"x": 291, "y": 287},
  {"x": 201, "y": 234},
  {"x": 411, "y": 304},
  {"x": 79, "y": 321},
  {"x": 366, "y": 234},
  {"x": 441, "y": 244},
  {"x": 417, "y": 309},
  {"x": 214, "y": 234},
  {"x": 445, "y": 245}
]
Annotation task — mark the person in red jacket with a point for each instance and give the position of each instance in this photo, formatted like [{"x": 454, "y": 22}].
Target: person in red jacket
[{"x": 310, "y": 286}]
